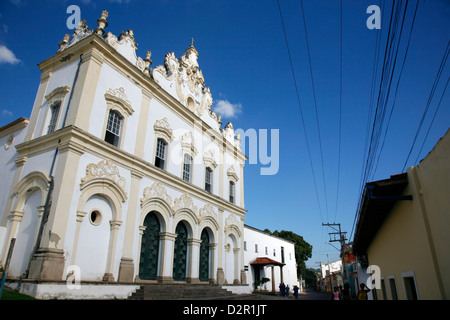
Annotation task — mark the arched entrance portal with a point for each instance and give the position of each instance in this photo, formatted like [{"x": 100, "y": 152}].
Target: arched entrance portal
[
  {"x": 148, "y": 263},
  {"x": 180, "y": 253},
  {"x": 204, "y": 257}
]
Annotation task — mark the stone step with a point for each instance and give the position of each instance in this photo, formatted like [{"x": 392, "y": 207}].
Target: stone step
[{"x": 180, "y": 291}]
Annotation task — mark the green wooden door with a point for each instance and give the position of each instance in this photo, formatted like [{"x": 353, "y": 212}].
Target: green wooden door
[
  {"x": 204, "y": 257},
  {"x": 148, "y": 263},
  {"x": 180, "y": 253}
]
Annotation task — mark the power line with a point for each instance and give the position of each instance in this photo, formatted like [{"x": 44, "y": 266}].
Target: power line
[
  {"x": 315, "y": 106},
  {"x": 385, "y": 79},
  {"x": 340, "y": 119},
  {"x": 300, "y": 108},
  {"x": 399, "y": 78},
  {"x": 430, "y": 97},
  {"x": 431, "y": 124}
]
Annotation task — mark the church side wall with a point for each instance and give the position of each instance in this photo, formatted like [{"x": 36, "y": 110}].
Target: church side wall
[{"x": 269, "y": 246}]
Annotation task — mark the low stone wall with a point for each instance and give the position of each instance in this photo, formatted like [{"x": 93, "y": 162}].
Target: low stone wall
[{"x": 61, "y": 291}]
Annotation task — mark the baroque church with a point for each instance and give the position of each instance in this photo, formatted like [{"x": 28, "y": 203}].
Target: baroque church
[{"x": 122, "y": 174}]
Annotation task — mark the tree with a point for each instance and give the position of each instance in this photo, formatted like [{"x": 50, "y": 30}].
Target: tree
[
  {"x": 303, "y": 250},
  {"x": 310, "y": 277}
]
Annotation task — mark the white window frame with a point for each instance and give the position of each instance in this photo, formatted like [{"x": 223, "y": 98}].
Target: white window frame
[
  {"x": 409, "y": 274},
  {"x": 232, "y": 192},
  {"x": 211, "y": 179},
  {"x": 165, "y": 147},
  {"x": 55, "y": 111},
  {"x": 57, "y": 94},
  {"x": 392, "y": 277},
  {"x": 165, "y": 133},
  {"x": 117, "y": 101},
  {"x": 111, "y": 127},
  {"x": 187, "y": 174}
]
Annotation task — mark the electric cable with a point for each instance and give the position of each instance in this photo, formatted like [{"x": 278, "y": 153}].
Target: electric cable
[{"x": 300, "y": 108}]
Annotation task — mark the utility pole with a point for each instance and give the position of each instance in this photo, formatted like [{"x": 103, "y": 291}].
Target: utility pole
[{"x": 338, "y": 236}]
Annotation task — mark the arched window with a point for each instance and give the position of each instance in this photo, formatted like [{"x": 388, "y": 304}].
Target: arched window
[
  {"x": 208, "y": 179},
  {"x": 232, "y": 191},
  {"x": 113, "y": 128},
  {"x": 54, "y": 116},
  {"x": 161, "y": 153},
  {"x": 187, "y": 168}
]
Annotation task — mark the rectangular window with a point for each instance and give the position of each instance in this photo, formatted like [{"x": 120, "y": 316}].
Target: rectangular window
[
  {"x": 113, "y": 128},
  {"x": 266, "y": 251},
  {"x": 410, "y": 288},
  {"x": 187, "y": 167},
  {"x": 245, "y": 245},
  {"x": 54, "y": 116},
  {"x": 161, "y": 151},
  {"x": 383, "y": 289},
  {"x": 274, "y": 254},
  {"x": 208, "y": 179},
  {"x": 393, "y": 289},
  {"x": 256, "y": 248},
  {"x": 231, "y": 191},
  {"x": 282, "y": 254}
]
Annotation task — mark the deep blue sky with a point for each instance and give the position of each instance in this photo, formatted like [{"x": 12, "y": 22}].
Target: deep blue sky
[{"x": 245, "y": 63}]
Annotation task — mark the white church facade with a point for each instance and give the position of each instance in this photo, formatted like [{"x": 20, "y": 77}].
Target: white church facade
[{"x": 122, "y": 174}]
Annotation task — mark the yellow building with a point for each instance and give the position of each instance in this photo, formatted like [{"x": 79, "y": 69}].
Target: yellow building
[{"x": 403, "y": 229}]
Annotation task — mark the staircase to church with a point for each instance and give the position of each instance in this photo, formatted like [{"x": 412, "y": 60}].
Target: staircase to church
[{"x": 181, "y": 291}]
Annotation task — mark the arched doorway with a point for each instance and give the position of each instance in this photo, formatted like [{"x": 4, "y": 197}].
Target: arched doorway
[
  {"x": 148, "y": 263},
  {"x": 204, "y": 256},
  {"x": 180, "y": 253}
]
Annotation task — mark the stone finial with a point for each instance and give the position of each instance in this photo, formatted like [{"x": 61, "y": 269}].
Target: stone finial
[
  {"x": 102, "y": 23},
  {"x": 148, "y": 62},
  {"x": 65, "y": 40}
]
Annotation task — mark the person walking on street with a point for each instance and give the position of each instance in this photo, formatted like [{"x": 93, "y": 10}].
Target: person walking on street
[
  {"x": 282, "y": 289},
  {"x": 287, "y": 290},
  {"x": 295, "y": 291},
  {"x": 336, "y": 293},
  {"x": 362, "y": 293}
]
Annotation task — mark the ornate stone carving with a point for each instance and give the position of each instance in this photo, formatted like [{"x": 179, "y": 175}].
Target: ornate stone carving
[
  {"x": 207, "y": 211},
  {"x": 104, "y": 169},
  {"x": 118, "y": 96},
  {"x": 81, "y": 32},
  {"x": 187, "y": 79},
  {"x": 232, "y": 224},
  {"x": 128, "y": 36},
  {"x": 209, "y": 160},
  {"x": 188, "y": 144},
  {"x": 59, "y": 92},
  {"x": 185, "y": 202},
  {"x": 156, "y": 190},
  {"x": 231, "y": 173},
  {"x": 129, "y": 52},
  {"x": 162, "y": 126},
  {"x": 231, "y": 220}
]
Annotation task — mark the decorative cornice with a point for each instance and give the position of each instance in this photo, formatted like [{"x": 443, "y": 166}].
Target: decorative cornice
[
  {"x": 207, "y": 211},
  {"x": 119, "y": 97},
  {"x": 60, "y": 91},
  {"x": 232, "y": 175},
  {"x": 184, "y": 202},
  {"x": 231, "y": 223},
  {"x": 162, "y": 126},
  {"x": 188, "y": 144},
  {"x": 156, "y": 190},
  {"x": 104, "y": 169},
  {"x": 209, "y": 160}
]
